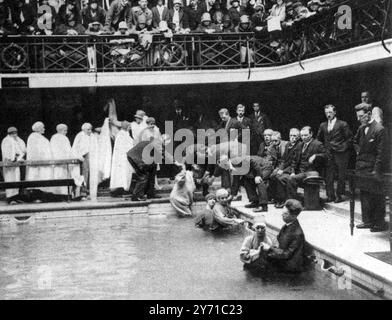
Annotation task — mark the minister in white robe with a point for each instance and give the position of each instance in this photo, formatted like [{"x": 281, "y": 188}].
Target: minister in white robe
[
  {"x": 62, "y": 150},
  {"x": 13, "y": 149},
  {"x": 121, "y": 173},
  {"x": 38, "y": 148}
]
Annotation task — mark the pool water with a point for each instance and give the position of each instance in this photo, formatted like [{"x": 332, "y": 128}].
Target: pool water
[{"x": 140, "y": 257}]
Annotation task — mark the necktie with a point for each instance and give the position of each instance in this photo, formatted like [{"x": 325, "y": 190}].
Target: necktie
[
  {"x": 304, "y": 147},
  {"x": 367, "y": 128}
]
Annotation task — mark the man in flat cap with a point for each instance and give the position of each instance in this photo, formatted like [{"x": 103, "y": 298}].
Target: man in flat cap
[{"x": 13, "y": 149}]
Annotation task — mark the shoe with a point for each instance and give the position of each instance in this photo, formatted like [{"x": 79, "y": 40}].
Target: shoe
[
  {"x": 252, "y": 205},
  {"x": 330, "y": 200},
  {"x": 379, "y": 228},
  {"x": 154, "y": 197},
  {"x": 279, "y": 205},
  {"x": 364, "y": 226},
  {"x": 144, "y": 198},
  {"x": 339, "y": 199},
  {"x": 263, "y": 208}
]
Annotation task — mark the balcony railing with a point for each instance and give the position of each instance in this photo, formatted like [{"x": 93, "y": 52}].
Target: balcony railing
[{"x": 317, "y": 35}]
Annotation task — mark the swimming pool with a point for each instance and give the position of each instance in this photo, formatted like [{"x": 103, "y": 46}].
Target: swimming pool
[{"x": 140, "y": 257}]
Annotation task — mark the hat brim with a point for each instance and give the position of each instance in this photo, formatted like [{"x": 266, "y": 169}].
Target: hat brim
[{"x": 314, "y": 180}]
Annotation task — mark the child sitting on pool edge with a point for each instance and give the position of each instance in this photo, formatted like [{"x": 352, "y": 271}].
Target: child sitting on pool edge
[{"x": 206, "y": 219}]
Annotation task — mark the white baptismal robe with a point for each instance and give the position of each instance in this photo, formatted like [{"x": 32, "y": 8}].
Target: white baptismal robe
[
  {"x": 61, "y": 149},
  {"x": 12, "y": 149},
  {"x": 137, "y": 129},
  {"x": 121, "y": 168},
  {"x": 38, "y": 148}
]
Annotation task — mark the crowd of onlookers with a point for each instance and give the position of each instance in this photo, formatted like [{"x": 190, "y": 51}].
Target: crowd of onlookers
[{"x": 73, "y": 17}]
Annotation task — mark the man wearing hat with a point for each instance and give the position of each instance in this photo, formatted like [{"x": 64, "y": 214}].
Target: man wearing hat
[
  {"x": 236, "y": 11},
  {"x": 311, "y": 158},
  {"x": 289, "y": 254},
  {"x": 227, "y": 25},
  {"x": 93, "y": 13},
  {"x": 254, "y": 249},
  {"x": 13, "y": 149},
  {"x": 194, "y": 11}
]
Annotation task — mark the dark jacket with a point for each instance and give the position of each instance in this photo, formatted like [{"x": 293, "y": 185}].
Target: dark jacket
[
  {"x": 179, "y": 121},
  {"x": 88, "y": 18},
  {"x": 156, "y": 17},
  {"x": 371, "y": 148},
  {"x": 291, "y": 251},
  {"x": 302, "y": 164},
  {"x": 183, "y": 19},
  {"x": 269, "y": 153},
  {"x": 338, "y": 140},
  {"x": 288, "y": 158},
  {"x": 117, "y": 13},
  {"x": 259, "y": 167},
  {"x": 258, "y": 125},
  {"x": 246, "y": 122},
  {"x": 194, "y": 16},
  {"x": 29, "y": 15},
  {"x": 235, "y": 14}
]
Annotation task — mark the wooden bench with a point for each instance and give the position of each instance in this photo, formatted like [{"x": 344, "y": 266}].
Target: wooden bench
[{"x": 40, "y": 183}]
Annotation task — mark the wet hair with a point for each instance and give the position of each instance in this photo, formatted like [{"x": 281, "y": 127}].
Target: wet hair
[
  {"x": 293, "y": 206},
  {"x": 330, "y": 106},
  {"x": 308, "y": 128}
]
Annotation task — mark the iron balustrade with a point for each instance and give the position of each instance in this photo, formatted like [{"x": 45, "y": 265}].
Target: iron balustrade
[{"x": 317, "y": 35}]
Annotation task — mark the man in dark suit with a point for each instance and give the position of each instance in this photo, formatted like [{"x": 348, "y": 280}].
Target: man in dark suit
[
  {"x": 336, "y": 136},
  {"x": 236, "y": 11},
  {"x": 370, "y": 145},
  {"x": 289, "y": 255},
  {"x": 285, "y": 168},
  {"x": 259, "y": 122},
  {"x": 228, "y": 123},
  {"x": 178, "y": 116},
  {"x": 245, "y": 121},
  {"x": 159, "y": 13},
  {"x": 144, "y": 158},
  {"x": 311, "y": 157},
  {"x": 178, "y": 18},
  {"x": 194, "y": 12}
]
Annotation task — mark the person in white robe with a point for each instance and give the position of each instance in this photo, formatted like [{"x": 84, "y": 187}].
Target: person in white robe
[
  {"x": 62, "y": 150},
  {"x": 13, "y": 149},
  {"x": 181, "y": 196},
  {"x": 82, "y": 146},
  {"x": 122, "y": 170},
  {"x": 38, "y": 148},
  {"x": 138, "y": 125}
]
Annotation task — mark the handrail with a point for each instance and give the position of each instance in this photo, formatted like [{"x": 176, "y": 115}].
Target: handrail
[
  {"x": 317, "y": 35},
  {"x": 37, "y": 163}
]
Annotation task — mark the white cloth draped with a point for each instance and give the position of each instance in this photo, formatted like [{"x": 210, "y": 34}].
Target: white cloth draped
[
  {"x": 181, "y": 197},
  {"x": 61, "y": 149},
  {"x": 121, "y": 168},
  {"x": 136, "y": 130},
  {"x": 38, "y": 148},
  {"x": 12, "y": 149}
]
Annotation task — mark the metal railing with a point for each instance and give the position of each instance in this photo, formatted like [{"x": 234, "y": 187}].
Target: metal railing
[{"x": 317, "y": 35}]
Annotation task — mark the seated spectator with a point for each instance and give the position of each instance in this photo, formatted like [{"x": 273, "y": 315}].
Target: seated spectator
[
  {"x": 258, "y": 19},
  {"x": 254, "y": 249},
  {"x": 181, "y": 196},
  {"x": 140, "y": 26},
  {"x": 5, "y": 18},
  {"x": 310, "y": 158},
  {"x": 23, "y": 17},
  {"x": 267, "y": 149},
  {"x": 119, "y": 10},
  {"x": 137, "y": 12},
  {"x": 206, "y": 25},
  {"x": 227, "y": 25},
  {"x": 178, "y": 18},
  {"x": 69, "y": 20},
  {"x": 45, "y": 22},
  {"x": 289, "y": 254},
  {"x": 279, "y": 144},
  {"x": 278, "y": 13},
  {"x": 247, "y": 54},
  {"x": 284, "y": 168},
  {"x": 224, "y": 215},
  {"x": 217, "y": 19},
  {"x": 235, "y": 12},
  {"x": 122, "y": 29},
  {"x": 93, "y": 13},
  {"x": 319, "y": 6},
  {"x": 194, "y": 11},
  {"x": 206, "y": 218},
  {"x": 159, "y": 13},
  {"x": 95, "y": 28}
]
